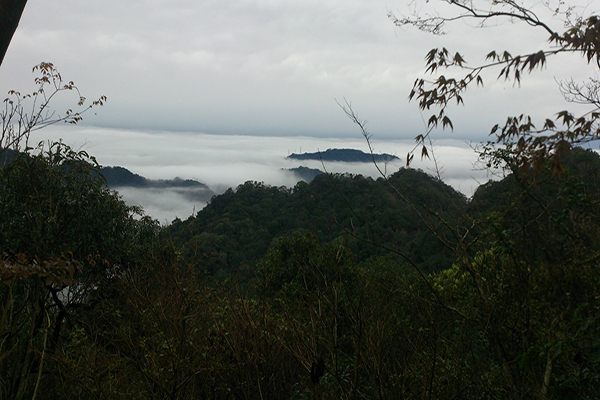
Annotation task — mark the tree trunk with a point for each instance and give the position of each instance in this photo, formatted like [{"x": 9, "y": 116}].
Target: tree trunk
[{"x": 10, "y": 15}]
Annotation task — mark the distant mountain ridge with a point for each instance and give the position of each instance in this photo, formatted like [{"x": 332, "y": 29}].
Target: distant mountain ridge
[
  {"x": 344, "y": 155},
  {"x": 122, "y": 177}
]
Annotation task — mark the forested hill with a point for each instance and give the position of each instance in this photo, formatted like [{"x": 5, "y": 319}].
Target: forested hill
[
  {"x": 237, "y": 227},
  {"x": 344, "y": 155},
  {"x": 375, "y": 219},
  {"x": 122, "y": 177},
  {"x": 343, "y": 274}
]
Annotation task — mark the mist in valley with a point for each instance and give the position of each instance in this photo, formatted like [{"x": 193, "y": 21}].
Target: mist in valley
[{"x": 223, "y": 162}]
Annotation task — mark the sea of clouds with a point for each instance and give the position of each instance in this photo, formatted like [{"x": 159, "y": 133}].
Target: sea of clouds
[{"x": 224, "y": 161}]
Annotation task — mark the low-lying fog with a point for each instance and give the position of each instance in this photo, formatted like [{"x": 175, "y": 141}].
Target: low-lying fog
[{"x": 227, "y": 161}]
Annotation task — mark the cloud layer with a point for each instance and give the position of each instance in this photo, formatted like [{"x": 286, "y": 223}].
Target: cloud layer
[
  {"x": 227, "y": 161},
  {"x": 222, "y": 91},
  {"x": 267, "y": 67}
]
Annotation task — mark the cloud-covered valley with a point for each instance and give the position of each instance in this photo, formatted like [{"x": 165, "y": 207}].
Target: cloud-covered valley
[{"x": 222, "y": 161}]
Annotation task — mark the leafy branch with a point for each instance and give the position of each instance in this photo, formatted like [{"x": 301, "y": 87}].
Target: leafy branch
[
  {"x": 582, "y": 36},
  {"x": 25, "y": 113}
]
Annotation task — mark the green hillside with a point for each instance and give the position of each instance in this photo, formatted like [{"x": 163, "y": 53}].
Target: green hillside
[
  {"x": 344, "y": 284},
  {"x": 237, "y": 227}
]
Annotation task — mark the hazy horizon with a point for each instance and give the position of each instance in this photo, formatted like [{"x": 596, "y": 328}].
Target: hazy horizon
[
  {"x": 261, "y": 79},
  {"x": 227, "y": 161}
]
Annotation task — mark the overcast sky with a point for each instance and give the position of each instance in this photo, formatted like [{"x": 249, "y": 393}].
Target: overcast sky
[{"x": 268, "y": 67}]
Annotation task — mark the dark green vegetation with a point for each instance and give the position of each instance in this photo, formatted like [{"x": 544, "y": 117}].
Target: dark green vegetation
[
  {"x": 346, "y": 287},
  {"x": 344, "y": 155},
  {"x": 236, "y": 229}
]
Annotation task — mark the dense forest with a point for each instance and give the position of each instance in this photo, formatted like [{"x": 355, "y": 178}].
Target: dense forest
[
  {"x": 345, "y": 287},
  {"x": 238, "y": 226},
  {"x": 342, "y": 288}
]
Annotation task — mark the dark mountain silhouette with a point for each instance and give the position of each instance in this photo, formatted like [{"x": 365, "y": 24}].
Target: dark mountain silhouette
[
  {"x": 344, "y": 155},
  {"x": 122, "y": 177}
]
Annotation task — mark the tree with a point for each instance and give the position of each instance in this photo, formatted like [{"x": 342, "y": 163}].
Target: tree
[
  {"x": 526, "y": 264},
  {"x": 64, "y": 234},
  {"x": 64, "y": 237},
  {"x": 579, "y": 34},
  {"x": 22, "y": 114},
  {"x": 10, "y": 15}
]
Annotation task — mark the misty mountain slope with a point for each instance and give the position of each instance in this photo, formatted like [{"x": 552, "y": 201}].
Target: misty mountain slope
[
  {"x": 122, "y": 177},
  {"x": 237, "y": 227},
  {"x": 303, "y": 173},
  {"x": 161, "y": 198}
]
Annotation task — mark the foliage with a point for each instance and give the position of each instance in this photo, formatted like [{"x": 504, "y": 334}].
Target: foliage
[
  {"x": 54, "y": 202},
  {"x": 352, "y": 288},
  {"x": 22, "y": 114},
  {"x": 514, "y": 317},
  {"x": 235, "y": 230},
  {"x": 64, "y": 236},
  {"x": 531, "y": 144}
]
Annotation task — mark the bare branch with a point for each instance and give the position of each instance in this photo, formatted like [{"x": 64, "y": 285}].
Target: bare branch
[{"x": 23, "y": 114}]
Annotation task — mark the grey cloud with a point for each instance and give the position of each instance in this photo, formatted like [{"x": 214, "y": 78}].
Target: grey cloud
[{"x": 258, "y": 67}]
